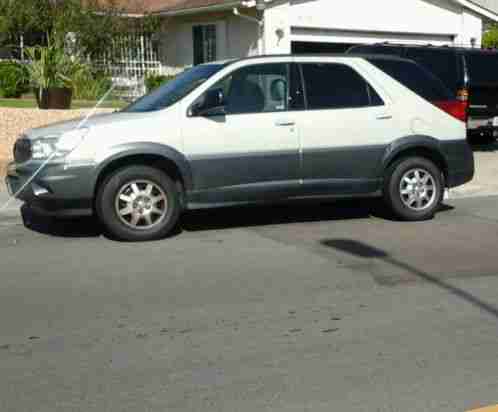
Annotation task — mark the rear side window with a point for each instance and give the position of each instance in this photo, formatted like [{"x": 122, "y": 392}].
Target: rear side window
[
  {"x": 445, "y": 64},
  {"x": 336, "y": 86},
  {"x": 415, "y": 78},
  {"x": 482, "y": 66}
]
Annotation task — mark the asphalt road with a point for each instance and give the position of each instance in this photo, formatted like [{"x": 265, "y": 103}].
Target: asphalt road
[{"x": 326, "y": 307}]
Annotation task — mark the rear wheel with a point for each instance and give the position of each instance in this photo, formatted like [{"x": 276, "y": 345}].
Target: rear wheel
[
  {"x": 414, "y": 188},
  {"x": 138, "y": 203}
]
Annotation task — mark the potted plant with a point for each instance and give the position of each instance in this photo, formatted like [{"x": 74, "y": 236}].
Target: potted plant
[{"x": 52, "y": 72}]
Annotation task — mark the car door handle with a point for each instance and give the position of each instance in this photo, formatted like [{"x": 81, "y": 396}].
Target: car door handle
[
  {"x": 384, "y": 116},
  {"x": 285, "y": 123}
]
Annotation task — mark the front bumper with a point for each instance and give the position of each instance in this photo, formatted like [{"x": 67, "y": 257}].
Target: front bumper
[{"x": 57, "y": 189}]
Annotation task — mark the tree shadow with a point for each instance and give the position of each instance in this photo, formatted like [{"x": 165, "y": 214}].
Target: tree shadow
[{"x": 365, "y": 251}]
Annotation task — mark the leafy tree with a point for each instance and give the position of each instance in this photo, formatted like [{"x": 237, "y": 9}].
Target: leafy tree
[
  {"x": 490, "y": 37},
  {"x": 92, "y": 25}
]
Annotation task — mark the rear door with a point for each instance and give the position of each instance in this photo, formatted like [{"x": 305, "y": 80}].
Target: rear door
[
  {"x": 483, "y": 84},
  {"x": 344, "y": 131}
]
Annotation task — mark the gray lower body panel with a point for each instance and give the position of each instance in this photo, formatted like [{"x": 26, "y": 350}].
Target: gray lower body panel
[
  {"x": 238, "y": 179},
  {"x": 460, "y": 161},
  {"x": 55, "y": 189}
]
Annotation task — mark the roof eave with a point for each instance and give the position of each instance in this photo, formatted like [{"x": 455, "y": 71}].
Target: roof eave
[
  {"x": 196, "y": 10},
  {"x": 478, "y": 9}
]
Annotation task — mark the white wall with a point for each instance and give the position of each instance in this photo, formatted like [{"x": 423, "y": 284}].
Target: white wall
[
  {"x": 472, "y": 26},
  {"x": 401, "y": 16},
  {"x": 355, "y": 21},
  {"x": 366, "y": 21},
  {"x": 242, "y": 37},
  {"x": 277, "y": 17},
  {"x": 176, "y": 46},
  {"x": 235, "y": 38}
]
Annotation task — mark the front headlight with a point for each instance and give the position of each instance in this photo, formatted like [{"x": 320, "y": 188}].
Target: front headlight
[
  {"x": 57, "y": 147},
  {"x": 44, "y": 148}
]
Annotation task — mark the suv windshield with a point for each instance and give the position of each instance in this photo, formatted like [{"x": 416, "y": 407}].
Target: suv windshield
[{"x": 174, "y": 90}]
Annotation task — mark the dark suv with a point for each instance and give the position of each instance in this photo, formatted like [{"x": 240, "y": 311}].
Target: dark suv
[{"x": 471, "y": 74}]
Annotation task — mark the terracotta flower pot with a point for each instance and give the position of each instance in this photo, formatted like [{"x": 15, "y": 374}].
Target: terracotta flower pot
[{"x": 54, "y": 98}]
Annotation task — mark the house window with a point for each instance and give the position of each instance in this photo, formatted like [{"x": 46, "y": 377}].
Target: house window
[{"x": 204, "y": 43}]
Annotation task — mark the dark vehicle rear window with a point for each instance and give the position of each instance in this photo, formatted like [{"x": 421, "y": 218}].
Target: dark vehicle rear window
[
  {"x": 482, "y": 66},
  {"x": 445, "y": 64},
  {"x": 416, "y": 78}
]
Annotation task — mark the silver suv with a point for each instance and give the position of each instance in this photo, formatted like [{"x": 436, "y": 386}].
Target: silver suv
[{"x": 253, "y": 130}]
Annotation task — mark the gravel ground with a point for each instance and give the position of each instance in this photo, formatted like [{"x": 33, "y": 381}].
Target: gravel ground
[{"x": 14, "y": 121}]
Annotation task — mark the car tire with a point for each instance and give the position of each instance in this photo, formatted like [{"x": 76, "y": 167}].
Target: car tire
[
  {"x": 138, "y": 203},
  {"x": 413, "y": 188}
]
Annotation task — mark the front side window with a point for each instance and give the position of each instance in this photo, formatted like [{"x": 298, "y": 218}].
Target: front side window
[
  {"x": 255, "y": 89},
  {"x": 204, "y": 43},
  {"x": 336, "y": 86},
  {"x": 174, "y": 90}
]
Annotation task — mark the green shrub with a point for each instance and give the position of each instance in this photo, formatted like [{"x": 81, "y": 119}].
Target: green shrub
[
  {"x": 490, "y": 37},
  {"x": 91, "y": 85},
  {"x": 154, "y": 81},
  {"x": 14, "y": 79}
]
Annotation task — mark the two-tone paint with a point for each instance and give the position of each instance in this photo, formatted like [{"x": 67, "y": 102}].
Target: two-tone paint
[{"x": 254, "y": 157}]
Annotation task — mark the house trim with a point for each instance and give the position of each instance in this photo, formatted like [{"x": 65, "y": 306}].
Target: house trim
[
  {"x": 478, "y": 9},
  {"x": 205, "y": 9}
]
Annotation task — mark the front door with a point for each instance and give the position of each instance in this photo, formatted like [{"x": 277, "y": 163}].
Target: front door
[{"x": 249, "y": 150}]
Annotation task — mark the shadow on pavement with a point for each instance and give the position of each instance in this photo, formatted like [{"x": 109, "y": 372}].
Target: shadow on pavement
[
  {"x": 363, "y": 250},
  {"x": 297, "y": 212},
  {"x": 225, "y": 218},
  {"x": 71, "y": 228}
]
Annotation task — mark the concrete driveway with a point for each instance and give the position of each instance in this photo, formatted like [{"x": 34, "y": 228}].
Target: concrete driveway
[
  {"x": 291, "y": 308},
  {"x": 485, "y": 182}
]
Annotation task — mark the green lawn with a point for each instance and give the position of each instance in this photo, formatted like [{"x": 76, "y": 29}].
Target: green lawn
[{"x": 77, "y": 104}]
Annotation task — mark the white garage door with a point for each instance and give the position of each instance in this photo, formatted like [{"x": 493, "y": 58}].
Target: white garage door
[{"x": 301, "y": 34}]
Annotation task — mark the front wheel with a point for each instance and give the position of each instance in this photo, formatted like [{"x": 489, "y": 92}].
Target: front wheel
[
  {"x": 138, "y": 203},
  {"x": 414, "y": 188}
]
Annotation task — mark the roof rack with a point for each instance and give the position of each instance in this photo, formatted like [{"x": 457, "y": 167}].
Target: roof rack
[{"x": 446, "y": 46}]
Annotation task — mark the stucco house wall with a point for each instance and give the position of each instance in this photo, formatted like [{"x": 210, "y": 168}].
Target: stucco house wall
[{"x": 235, "y": 36}]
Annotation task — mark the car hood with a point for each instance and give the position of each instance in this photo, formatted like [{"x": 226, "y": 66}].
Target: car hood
[{"x": 56, "y": 129}]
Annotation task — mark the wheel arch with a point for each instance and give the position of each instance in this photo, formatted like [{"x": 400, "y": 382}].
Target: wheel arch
[
  {"x": 422, "y": 146},
  {"x": 157, "y": 155}
]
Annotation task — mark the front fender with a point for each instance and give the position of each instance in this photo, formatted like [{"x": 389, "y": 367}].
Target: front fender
[{"x": 121, "y": 151}]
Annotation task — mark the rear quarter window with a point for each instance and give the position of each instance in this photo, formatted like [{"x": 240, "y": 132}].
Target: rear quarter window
[
  {"x": 415, "y": 78},
  {"x": 482, "y": 67}
]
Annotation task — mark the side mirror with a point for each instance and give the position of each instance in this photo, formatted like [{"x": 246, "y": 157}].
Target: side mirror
[{"x": 212, "y": 103}]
